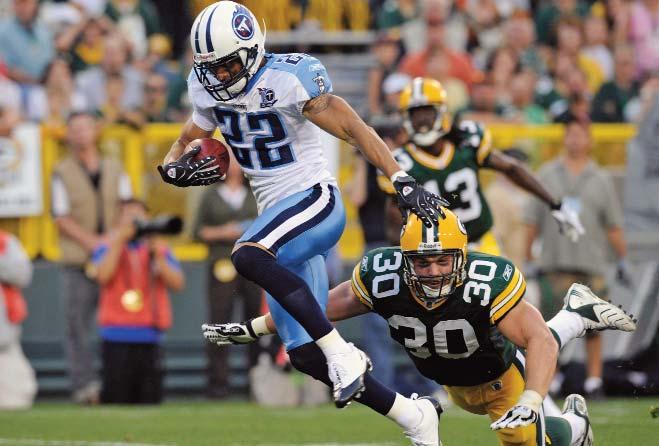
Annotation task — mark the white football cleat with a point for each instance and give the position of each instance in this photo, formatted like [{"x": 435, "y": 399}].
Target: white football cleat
[
  {"x": 576, "y": 404},
  {"x": 597, "y": 314},
  {"x": 426, "y": 433},
  {"x": 346, "y": 371}
]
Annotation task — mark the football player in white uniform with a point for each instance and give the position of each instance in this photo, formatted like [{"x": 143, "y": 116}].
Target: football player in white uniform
[{"x": 269, "y": 108}]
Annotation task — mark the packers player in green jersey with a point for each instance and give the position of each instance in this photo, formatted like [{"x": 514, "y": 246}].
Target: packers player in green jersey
[
  {"x": 462, "y": 319},
  {"x": 446, "y": 156}
]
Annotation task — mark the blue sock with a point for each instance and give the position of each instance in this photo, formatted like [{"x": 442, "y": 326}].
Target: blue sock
[{"x": 287, "y": 288}]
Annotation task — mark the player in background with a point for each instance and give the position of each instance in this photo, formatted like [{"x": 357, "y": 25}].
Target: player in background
[
  {"x": 462, "y": 319},
  {"x": 270, "y": 109},
  {"x": 446, "y": 156}
]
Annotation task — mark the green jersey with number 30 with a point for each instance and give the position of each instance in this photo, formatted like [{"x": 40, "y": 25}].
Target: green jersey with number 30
[
  {"x": 457, "y": 343},
  {"x": 454, "y": 174}
]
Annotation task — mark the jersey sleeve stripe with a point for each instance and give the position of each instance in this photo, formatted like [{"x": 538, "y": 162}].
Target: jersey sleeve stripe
[
  {"x": 485, "y": 148},
  {"x": 501, "y": 313},
  {"x": 506, "y": 292},
  {"x": 359, "y": 289},
  {"x": 509, "y": 293}
]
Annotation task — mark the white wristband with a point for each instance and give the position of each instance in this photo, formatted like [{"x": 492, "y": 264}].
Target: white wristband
[
  {"x": 395, "y": 176},
  {"x": 260, "y": 327},
  {"x": 530, "y": 398}
]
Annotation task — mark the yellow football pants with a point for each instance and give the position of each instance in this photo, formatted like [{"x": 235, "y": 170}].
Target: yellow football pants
[
  {"x": 486, "y": 244},
  {"x": 495, "y": 398}
]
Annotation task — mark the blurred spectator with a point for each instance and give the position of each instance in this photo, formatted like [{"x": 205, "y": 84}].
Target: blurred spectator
[
  {"x": 225, "y": 212},
  {"x": 521, "y": 108},
  {"x": 155, "y": 99},
  {"x": 485, "y": 25},
  {"x": 596, "y": 39},
  {"x": 578, "y": 108},
  {"x": 386, "y": 50},
  {"x": 483, "y": 105},
  {"x": 92, "y": 82},
  {"x": 644, "y": 33},
  {"x": 501, "y": 68},
  {"x": 551, "y": 12},
  {"x": 27, "y": 45},
  {"x": 158, "y": 58},
  {"x": 395, "y": 13},
  {"x": 570, "y": 41},
  {"x": 86, "y": 189},
  {"x": 610, "y": 102},
  {"x": 459, "y": 64},
  {"x": 85, "y": 42},
  {"x": 135, "y": 274},
  {"x": 456, "y": 90},
  {"x": 52, "y": 103},
  {"x": 177, "y": 99},
  {"x": 392, "y": 86},
  {"x": 588, "y": 190},
  {"x": 136, "y": 20},
  {"x": 176, "y": 22},
  {"x": 10, "y": 105},
  {"x": 18, "y": 385},
  {"x": 507, "y": 201},
  {"x": 617, "y": 14},
  {"x": 554, "y": 93},
  {"x": 642, "y": 175},
  {"x": 113, "y": 110},
  {"x": 519, "y": 35}
]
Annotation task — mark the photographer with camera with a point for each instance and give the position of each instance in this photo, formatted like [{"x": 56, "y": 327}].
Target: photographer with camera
[{"x": 135, "y": 270}]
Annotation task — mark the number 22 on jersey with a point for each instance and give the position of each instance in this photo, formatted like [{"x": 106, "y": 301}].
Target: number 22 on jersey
[{"x": 260, "y": 133}]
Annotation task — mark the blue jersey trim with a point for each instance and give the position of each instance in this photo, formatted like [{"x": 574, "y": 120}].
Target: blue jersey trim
[
  {"x": 140, "y": 335},
  {"x": 269, "y": 59}
]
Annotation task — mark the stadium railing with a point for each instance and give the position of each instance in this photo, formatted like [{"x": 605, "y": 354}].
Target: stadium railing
[{"x": 142, "y": 150}]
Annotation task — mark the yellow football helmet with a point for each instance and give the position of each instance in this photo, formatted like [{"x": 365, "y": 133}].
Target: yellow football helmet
[
  {"x": 448, "y": 237},
  {"x": 425, "y": 92}
]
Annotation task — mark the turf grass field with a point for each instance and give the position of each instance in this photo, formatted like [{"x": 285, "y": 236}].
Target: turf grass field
[{"x": 188, "y": 423}]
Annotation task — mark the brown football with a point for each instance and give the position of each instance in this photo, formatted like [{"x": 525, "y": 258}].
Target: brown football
[{"x": 211, "y": 147}]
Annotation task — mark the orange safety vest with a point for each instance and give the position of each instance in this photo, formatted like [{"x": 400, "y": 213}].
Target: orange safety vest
[
  {"x": 16, "y": 306},
  {"x": 133, "y": 297}
]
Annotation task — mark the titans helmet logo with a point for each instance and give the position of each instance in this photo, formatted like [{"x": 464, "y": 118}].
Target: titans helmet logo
[{"x": 243, "y": 26}]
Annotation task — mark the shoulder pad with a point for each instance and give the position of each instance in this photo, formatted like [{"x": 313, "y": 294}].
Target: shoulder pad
[
  {"x": 376, "y": 263},
  {"x": 310, "y": 71}
]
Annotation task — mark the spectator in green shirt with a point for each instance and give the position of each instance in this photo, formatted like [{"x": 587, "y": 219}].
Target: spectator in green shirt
[
  {"x": 610, "y": 102},
  {"x": 551, "y": 12}
]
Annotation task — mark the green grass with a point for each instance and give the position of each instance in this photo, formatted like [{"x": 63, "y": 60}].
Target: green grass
[{"x": 616, "y": 422}]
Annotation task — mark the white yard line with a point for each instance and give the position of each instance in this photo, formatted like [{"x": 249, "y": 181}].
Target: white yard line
[
  {"x": 38, "y": 442},
  {"x": 321, "y": 444}
]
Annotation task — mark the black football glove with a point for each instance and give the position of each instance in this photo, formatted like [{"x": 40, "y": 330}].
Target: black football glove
[
  {"x": 186, "y": 171},
  {"x": 412, "y": 197}
]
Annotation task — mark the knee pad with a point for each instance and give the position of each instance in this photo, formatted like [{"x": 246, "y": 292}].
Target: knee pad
[
  {"x": 251, "y": 262},
  {"x": 310, "y": 360}
]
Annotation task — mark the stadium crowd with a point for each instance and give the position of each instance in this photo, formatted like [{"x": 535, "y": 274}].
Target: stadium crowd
[{"x": 512, "y": 61}]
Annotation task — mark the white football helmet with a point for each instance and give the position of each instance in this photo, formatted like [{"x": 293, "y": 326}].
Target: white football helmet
[{"x": 223, "y": 33}]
